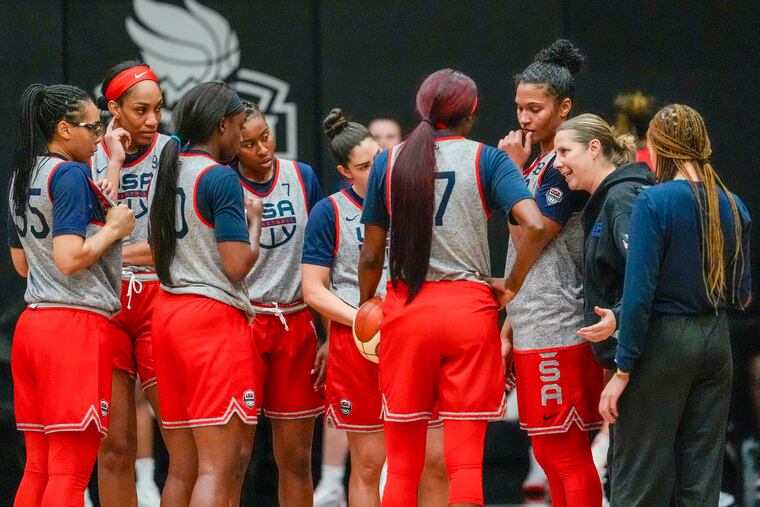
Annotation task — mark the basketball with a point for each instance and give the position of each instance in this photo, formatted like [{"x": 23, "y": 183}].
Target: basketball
[{"x": 366, "y": 328}]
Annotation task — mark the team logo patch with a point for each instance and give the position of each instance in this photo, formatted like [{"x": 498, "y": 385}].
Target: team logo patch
[
  {"x": 249, "y": 398},
  {"x": 597, "y": 230},
  {"x": 624, "y": 238},
  {"x": 553, "y": 196},
  {"x": 345, "y": 406},
  {"x": 104, "y": 408}
]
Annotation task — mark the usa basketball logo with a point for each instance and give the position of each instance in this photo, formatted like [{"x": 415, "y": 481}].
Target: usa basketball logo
[
  {"x": 278, "y": 223},
  {"x": 345, "y": 406},
  {"x": 249, "y": 398},
  {"x": 553, "y": 196},
  {"x": 192, "y": 45},
  {"x": 104, "y": 408}
]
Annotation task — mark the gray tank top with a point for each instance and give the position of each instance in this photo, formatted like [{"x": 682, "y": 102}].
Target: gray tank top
[
  {"x": 459, "y": 247},
  {"x": 135, "y": 179},
  {"x": 349, "y": 237},
  {"x": 276, "y": 276},
  {"x": 548, "y": 310},
  {"x": 97, "y": 286},
  {"x": 197, "y": 266}
]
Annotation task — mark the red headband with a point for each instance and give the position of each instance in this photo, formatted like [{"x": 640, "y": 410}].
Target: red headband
[
  {"x": 125, "y": 79},
  {"x": 441, "y": 125}
]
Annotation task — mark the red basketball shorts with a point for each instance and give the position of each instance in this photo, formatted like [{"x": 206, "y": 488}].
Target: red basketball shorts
[
  {"x": 132, "y": 346},
  {"x": 557, "y": 388},
  {"x": 205, "y": 362},
  {"x": 62, "y": 368},
  {"x": 353, "y": 395},
  {"x": 288, "y": 358},
  {"x": 443, "y": 346}
]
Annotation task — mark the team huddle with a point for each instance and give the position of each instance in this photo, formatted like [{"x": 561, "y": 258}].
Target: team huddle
[{"x": 200, "y": 263}]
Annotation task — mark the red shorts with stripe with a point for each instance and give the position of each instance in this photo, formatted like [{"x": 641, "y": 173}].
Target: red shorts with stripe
[
  {"x": 287, "y": 357},
  {"x": 62, "y": 369},
  {"x": 353, "y": 395},
  {"x": 132, "y": 345},
  {"x": 444, "y": 346},
  {"x": 205, "y": 362},
  {"x": 557, "y": 388}
]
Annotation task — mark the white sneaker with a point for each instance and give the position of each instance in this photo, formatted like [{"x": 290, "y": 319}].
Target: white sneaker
[
  {"x": 726, "y": 500},
  {"x": 87, "y": 499},
  {"x": 329, "y": 496},
  {"x": 148, "y": 494}
]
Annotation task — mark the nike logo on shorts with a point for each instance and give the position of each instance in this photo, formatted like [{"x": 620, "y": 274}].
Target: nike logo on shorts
[{"x": 547, "y": 417}]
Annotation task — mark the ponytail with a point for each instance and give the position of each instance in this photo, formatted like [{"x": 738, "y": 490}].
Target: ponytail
[
  {"x": 586, "y": 127},
  {"x": 445, "y": 99},
  {"x": 163, "y": 211},
  {"x": 42, "y": 107}
]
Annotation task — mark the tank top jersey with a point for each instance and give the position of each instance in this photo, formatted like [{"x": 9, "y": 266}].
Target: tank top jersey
[
  {"x": 349, "y": 237},
  {"x": 276, "y": 276},
  {"x": 548, "y": 310},
  {"x": 197, "y": 266},
  {"x": 135, "y": 179},
  {"x": 96, "y": 286},
  {"x": 459, "y": 246}
]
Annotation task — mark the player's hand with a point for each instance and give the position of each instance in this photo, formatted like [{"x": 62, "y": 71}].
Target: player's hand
[
  {"x": 518, "y": 146},
  {"x": 501, "y": 289},
  {"x": 253, "y": 209},
  {"x": 506, "y": 354},
  {"x": 107, "y": 188},
  {"x": 117, "y": 141},
  {"x": 608, "y": 403},
  {"x": 121, "y": 220},
  {"x": 320, "y": 366},
  {"x": 602, "y": 329}
]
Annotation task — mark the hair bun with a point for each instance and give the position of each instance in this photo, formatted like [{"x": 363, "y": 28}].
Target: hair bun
[
  {"x": 102, "y": 103},
  {"x": 564, "y": 53},
  {"x": 334, "y": 123}
]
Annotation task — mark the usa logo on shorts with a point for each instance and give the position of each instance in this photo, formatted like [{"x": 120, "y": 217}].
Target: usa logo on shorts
[
  {"x": 249, "y": 398},
  {"x": 345, "y": 406},
  {"x": 553, "y": 196},
  {"x": 104, "y": 408}
]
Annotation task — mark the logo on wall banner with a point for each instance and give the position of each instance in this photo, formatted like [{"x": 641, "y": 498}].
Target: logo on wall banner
[{"x": 185, "y": 46}]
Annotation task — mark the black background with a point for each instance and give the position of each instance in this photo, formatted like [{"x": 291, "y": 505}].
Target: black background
[{"x": 369, "y": 57}]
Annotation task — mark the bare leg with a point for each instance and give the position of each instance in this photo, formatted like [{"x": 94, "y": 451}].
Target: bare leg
[
  {"x": 292, "y": 451},
  {"x": 434, "y": 483},
  {"x": 116, "y": 458},
  {"x": 183, "y": 467},
  {"x": 148, "y": 494},
  {"x": 367, "y": 458}
]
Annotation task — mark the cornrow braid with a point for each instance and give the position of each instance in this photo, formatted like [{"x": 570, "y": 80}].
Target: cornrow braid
[
  {"x": 677, "y": 134},
  {"x": 42, "y": 108}
]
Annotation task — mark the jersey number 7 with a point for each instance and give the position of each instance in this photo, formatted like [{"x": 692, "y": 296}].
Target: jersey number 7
[{"x": 450, "y": 177}]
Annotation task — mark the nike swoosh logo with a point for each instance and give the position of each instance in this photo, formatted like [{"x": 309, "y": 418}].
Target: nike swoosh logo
[
  {"x": 141, "y": 74},
  {"x": 547, "y": 417},
  {"x": 99, "y": 170},
  {"x": 352, "y": 218}
]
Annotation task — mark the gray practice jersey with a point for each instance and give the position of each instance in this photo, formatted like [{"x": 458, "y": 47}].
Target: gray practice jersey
[
  {"x": 135, "y": 179},
  {"x": 548, "y": 310},
  {"x": 276, "y": 276},
  {"x": 459, "y": 247},
  {"x": 96, "y": 286},
  {"x": 197, "y": 266},
  {"x": 349, "y": 237}
]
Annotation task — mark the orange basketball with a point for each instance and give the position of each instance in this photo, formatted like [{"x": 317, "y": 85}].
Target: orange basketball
[{"x": 366, "y": 328}]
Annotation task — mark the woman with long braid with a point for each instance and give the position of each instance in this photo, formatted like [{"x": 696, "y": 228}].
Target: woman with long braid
[{"x": 688, "y": 259}]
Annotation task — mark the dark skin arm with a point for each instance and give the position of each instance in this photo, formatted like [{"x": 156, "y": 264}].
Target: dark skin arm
[{"x": 371, "y": 261}]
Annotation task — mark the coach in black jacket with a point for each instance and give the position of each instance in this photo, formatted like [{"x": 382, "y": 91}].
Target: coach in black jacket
[{"x": 593, "y": 159}]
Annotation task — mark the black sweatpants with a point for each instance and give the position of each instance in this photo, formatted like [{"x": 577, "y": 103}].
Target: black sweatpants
[{"x": 671, "y": 428}]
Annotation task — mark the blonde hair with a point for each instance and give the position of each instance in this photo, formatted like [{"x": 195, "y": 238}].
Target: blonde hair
[
  {"x": 634, "y": 111},
  {"x": 586, "y": 127},
  {"x": 677, "y": 135}
]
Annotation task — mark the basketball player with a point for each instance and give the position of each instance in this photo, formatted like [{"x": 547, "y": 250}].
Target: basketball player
[
  {"x": 386, "y": 131},
  {"x": 204, "y": 249},
  {"x": 557, "y": 377},
  {"x": 440, "y": 337},
  {"x": 69, "y": 249},
  {"x": 131, "y": 94},
  {"x": 333, "y": 240},
  {"x": 284, "y": 327}
]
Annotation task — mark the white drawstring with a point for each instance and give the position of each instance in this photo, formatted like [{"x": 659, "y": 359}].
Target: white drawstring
[
  {"x": 135, "y": 286},
  {"x": 280, "y": 316}
]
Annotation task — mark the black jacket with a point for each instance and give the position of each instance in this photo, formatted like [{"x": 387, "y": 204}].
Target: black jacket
[{"x": 606, "y": 223}]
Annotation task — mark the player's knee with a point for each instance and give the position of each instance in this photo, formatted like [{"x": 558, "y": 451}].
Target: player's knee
[
  {"x": 368, "y": 468},
  {"x": 241, "y": 464},
  {"x": 117, "y": 454},
  {"x": 435, "y": 470},
  {"x": 295, "y": 460}
]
